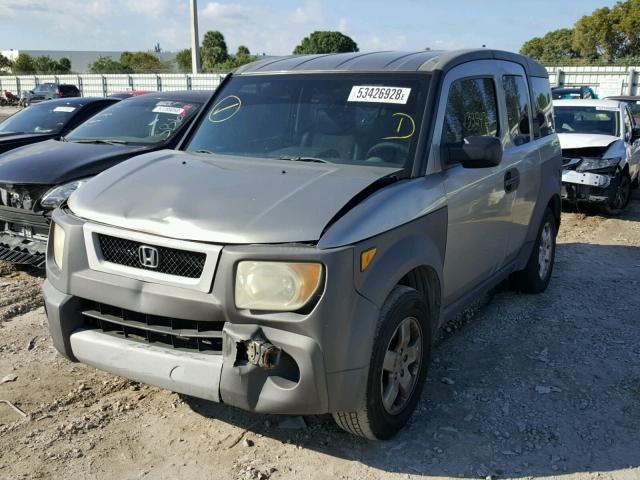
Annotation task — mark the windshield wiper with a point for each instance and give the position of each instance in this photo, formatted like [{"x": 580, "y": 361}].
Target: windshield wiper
[
  {"x": 304, "y": 159},
  {"x": 208, "y": 152},
  {"x": 99, "y": 141}
]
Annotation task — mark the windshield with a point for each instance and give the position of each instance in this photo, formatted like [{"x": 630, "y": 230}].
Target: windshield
[
  {"x": 137, "y": 122},
  {"x": 40, "y": 118},
  {"x": 357, "y": 119},
  {"x": 45, "y": 87},
  {"x": 599, "y": 120}
]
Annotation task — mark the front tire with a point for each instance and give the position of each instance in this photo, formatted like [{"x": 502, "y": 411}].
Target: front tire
[
  {"x": 620, "y": 198},
  {"x": 535, "y": 277},
  {"x": 399, "y": 361}
]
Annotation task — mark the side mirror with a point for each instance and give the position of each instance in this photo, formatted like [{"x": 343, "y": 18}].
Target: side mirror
[
  {"x": 635, "y": 134},
  {"x": 475, "y": 152}
]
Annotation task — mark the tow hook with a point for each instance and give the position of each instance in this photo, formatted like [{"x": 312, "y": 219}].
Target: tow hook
[{"x": 263, "y": 354}]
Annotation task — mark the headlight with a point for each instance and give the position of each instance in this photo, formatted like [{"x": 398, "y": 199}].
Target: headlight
[
  {"x": 598, "y": 163},
  {"x": 58, "y": 237},
  {"x": 54, "y": 197},
  {"x": 276, "y": 285}
]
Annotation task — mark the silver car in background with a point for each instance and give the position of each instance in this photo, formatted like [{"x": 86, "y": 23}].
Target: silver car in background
[
  {"x": 318, "y": 227},
  {"x": 601, "y": 151}
]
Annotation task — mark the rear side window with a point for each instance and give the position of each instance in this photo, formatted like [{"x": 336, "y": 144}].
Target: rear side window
[
  {"x": 517, "y": 100},
  {"x": 543, "y": 123},
  {"x": 472, "y": 110},
  {"x": 69, "y": 89}
]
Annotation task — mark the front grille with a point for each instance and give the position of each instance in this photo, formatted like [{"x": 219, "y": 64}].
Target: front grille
[
  {"x": 188, "y": 335},
  {"x": 171, "y": 261},
  {"x": 22, "y": 256}
]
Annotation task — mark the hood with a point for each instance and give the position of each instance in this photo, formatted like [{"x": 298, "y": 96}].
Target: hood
[
  {"x": 11, "y": 136},
  {"x": 585, "y": 140},
  {"x": 222, "y": 199},
  {"x": 53, "y": 162}
]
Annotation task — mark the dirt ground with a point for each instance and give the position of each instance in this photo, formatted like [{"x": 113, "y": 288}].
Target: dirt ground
[{"x": 544, "y": 386}]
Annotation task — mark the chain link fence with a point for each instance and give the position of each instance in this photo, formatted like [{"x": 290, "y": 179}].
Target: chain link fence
[{"x": 103, "y": 85}]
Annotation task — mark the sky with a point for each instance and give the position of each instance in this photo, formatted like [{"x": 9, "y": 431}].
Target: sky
[{"x": 275, "y": 27}]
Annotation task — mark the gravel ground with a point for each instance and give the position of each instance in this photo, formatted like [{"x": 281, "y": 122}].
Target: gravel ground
[{"x": 544, "y": 386}]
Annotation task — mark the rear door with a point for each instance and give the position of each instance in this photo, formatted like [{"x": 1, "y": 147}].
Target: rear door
[
  {"x": 521, "y": 157},
  {"x": 479, "y": 209}
]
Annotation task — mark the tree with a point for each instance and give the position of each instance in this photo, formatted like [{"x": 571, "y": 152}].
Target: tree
[
  {"x": 533, "y": 48},
  {"x": 607, "y": 34},
  {"x": 105, "y": 65},
  {"x": 597, "y": 35},
  {"x": 5, "y": 64},
  {"x": 555, "y": 45},
  {"x": 64, "y": 65},
  {"x": 243, "y": 56},
  {"x": 44, "y": 65},
  {"x": 23, "y": 65},
  {"x": 326, "y": 42},
  {"x": 183, "y": 59},
  {"x": 214, "y": 51},
  {"x": 141, "y": 62}
]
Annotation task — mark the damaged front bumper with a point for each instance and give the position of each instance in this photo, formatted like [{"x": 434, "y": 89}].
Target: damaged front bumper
[
  {"x": 587, "y": 186},
  {"x": 199, "y": 344},
  {"x": 23, "y": 237}
]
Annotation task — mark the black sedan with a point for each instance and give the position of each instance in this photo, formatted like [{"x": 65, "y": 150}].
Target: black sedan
[
  {"x": 36, "y": 179},
  {"x": 52, "y": 119}
]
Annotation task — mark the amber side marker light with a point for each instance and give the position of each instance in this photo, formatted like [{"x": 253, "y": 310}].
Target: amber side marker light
[{"x": 366, "y": 258}]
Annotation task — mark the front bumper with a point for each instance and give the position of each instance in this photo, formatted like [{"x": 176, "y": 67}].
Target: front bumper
[
  {"x": 587, "y": 187},
  {"x": 325, "y": 352},
  {"x": 23, "y": 237}
]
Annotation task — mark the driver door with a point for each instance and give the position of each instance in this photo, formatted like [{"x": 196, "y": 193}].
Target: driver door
[{"x": 479, "y": 208}]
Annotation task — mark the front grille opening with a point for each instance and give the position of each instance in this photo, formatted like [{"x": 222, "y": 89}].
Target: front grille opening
[
  {"x": 171, "y": 261},
  {"x": 187, "y": 335}
]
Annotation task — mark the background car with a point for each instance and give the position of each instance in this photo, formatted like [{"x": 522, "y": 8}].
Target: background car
[
  {"x": 601, "y": 152},
  {"x": 48, "y": 120},
  {"x": 36, "y": 179},
  {"x": 566, "y": 93},
  {"x": 49, "y": 91},
  {"x": 633, "y": 102}
]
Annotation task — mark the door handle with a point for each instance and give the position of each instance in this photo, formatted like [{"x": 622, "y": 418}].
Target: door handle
[{"x": 511, "y": 180}]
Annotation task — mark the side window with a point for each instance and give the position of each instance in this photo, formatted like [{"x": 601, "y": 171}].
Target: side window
[
  {"x": 472, "y": 110},
  {"x": 517, "y": 100},
  {"x": 543, "y": 122},
  {"x": 628, "y": 123}
]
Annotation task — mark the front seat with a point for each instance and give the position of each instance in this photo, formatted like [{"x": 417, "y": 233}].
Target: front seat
[{"x": 331, "y": 135}]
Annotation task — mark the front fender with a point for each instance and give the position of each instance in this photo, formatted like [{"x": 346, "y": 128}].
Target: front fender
[{"x": 420, "y": 243}]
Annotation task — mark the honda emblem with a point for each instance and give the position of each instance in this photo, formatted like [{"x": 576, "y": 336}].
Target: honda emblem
[{"x": 148, "y": 256}]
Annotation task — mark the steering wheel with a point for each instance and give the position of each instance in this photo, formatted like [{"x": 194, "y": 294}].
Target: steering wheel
[{"x": 378, "y": 147}]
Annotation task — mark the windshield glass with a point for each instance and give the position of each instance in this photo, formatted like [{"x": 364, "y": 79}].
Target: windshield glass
[
  {"x": 599, "y": 120},
  {"x": 40, "y": 118},
  {"x": 141, "y": 122},
  {"x": 357, "y": 119}
]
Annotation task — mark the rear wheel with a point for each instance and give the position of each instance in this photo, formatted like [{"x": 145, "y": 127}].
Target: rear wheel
[
  {"x": 535, "y": 277},
  {"x": 397, "y": 370}
]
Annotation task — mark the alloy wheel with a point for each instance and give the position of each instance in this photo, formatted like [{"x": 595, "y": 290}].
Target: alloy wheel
[
  {"x": 545, "y": 250},
  {"x": 401, "y": 365}
]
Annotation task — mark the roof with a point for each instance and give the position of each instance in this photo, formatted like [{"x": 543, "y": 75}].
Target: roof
[
  {"x": 570, "y": 89},
  {"x": 624, "y": 98},
  {"x": 587, "y": 102},
  {"x": 74, "y": 101},
  {"x": 387, "y": 61},
  {"x": 182, "y": 95}
]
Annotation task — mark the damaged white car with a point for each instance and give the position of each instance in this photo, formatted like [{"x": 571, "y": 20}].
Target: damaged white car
[{"x": 601, "y": 152}]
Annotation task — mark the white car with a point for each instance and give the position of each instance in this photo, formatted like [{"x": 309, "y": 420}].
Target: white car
[{"x": 600, "y": 149}]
